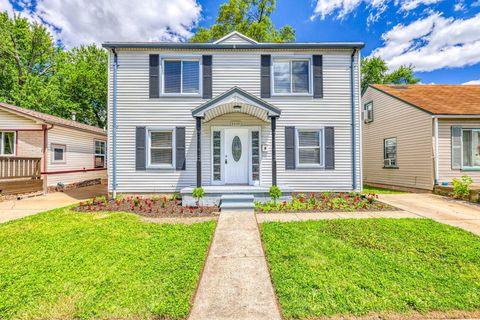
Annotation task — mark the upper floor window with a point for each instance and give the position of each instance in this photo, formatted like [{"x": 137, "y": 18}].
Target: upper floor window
[
  {"x": 7, "y": 143},
  {"x": 368, "y": 112},
  {"x": 100, "y": 153},
  {"x": 181, "y": 76},
  {"x": 291, "y": 76}
]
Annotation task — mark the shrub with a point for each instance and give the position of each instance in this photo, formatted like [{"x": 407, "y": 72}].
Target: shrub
[
  {"x": 275, "y": 193},
  {"x": 198, "y": 193},
  {"x": 461, "y": 187}
]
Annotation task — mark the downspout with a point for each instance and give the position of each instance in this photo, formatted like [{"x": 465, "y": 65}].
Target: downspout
[
  {"x": 114, "y": 126},
  {"x": 354, "y": 144},
  {"x": 435, "y": 156}
]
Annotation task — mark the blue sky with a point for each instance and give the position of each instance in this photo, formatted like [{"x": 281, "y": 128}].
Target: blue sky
[{"x": 441, "y": 38}]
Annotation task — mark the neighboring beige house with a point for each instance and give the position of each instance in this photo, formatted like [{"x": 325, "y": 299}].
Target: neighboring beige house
[
  {"x": 416, "y": 136},
  {"x": 39, "y": 151}
]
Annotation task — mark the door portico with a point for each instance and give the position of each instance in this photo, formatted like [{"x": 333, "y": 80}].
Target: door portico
[{"x": 236, "y": 150}]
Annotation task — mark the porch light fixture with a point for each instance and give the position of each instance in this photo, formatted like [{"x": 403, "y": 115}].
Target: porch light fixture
[{"x": 237, "y": 108}]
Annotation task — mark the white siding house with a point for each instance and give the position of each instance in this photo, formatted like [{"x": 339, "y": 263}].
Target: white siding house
[{"x": 164, "y": 97}]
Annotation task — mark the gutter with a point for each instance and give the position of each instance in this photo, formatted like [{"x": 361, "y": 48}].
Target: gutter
[
  {"x": 354, "y": 144},
  {"x": 189, "y": 45},
  {"x": 114, "y": 126}
]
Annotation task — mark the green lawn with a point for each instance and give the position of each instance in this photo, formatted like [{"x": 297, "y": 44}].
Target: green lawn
[
  {"x": 375, "y": 190},
  {"x": 60, "y": 264},
  {"x": 358, "y": 267}
]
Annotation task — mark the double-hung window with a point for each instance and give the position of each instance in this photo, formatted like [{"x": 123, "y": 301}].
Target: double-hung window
[
  {"x": 161, "y": 145},
  {"x": 368, "y": 112},
  {"x": 181, "y": 76},
  {"x": 390, "y": 153},
  {"x": 471, "y": 148},
  {"x": 100, "y": 154},
  {"x": 7, "y": 143},
  {"x": 309, "y": 148},
  {"x": 291, "y": 76}
]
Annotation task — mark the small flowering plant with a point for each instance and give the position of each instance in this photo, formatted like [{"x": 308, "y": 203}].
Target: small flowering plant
[
  {"x": 326, "y": 201},
  {"x": 155, "y": 206}
]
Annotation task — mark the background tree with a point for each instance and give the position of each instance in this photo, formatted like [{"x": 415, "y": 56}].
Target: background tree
[
  {"x": 375, "y": 70},
  {"x": 250, "y": 17},
  {"x": 38, "y": 74}
]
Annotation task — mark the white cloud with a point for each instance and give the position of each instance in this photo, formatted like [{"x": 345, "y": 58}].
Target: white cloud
[
  {"x": 341, "y": 8},
  {"x": 459, "y": 6},
  {"x": 472, "y": 82},
  {"x": 432, "y": 43},
  {"x": 84, "y": 21},
  {"x": 408, "y": 5}
]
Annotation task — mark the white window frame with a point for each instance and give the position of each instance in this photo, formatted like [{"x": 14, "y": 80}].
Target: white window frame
[
  {"x": 149, "y": 145},
  {"x": 366, "y": 107},
  {"x": 290, "y": 59},
  {"x": 468, "y": 167},
  {"x": 182, "y": 58},
  {"x": 321, "y": 148},
  {"x": 99, "y": 154},
  {"x": 2, "y": 143},
  {"x": 54, "y": 146},
  {"x": 385, "y": 153}
]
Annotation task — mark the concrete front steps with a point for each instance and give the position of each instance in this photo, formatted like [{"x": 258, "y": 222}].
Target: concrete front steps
[{"x": 237, "y": 202}]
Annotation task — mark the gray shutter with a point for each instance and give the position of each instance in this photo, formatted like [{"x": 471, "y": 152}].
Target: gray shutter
[
  {"x": 456, "y": 147},
  {"x": 317, "y": 76},
  {"x": 207, "y": 76},
  {"x": 140, "y": 148},
  {"x": 265, "y": 62},
  {"x": 154, "y": 79},
  {"x": 289, "y": 148},
  {"x": 329, "y": 148},
  {"x": 180, "y": 148}
]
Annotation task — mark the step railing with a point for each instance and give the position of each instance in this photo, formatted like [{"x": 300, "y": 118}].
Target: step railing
[{"x": 20, "y": 167}]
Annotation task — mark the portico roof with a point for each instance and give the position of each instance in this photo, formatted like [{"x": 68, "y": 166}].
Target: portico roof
[{"x": 236, "y": 100}]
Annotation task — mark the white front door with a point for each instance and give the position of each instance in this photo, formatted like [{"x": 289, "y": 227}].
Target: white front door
[{"x": 236, "y": 156}]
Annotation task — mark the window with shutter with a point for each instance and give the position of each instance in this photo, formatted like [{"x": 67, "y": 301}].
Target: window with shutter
[
  {"x": 291, "y": 76},
  {"x": 309, "y": 148},
  {"x": 161, "y": 146},
  {"x": 181, "y": 76},
  {"x": 471, "y": 148}
]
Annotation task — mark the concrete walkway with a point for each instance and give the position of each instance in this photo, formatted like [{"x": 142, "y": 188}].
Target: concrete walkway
[
  {"x": 438, "y": 208},
  {"x": 235, "y": 283},
  {"x": 16, "y": 209}
]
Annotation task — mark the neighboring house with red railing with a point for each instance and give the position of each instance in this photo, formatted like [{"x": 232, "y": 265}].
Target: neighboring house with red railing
[{"x": 41, "y": 152}]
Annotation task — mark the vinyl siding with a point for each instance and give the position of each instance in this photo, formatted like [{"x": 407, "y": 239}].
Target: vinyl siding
[
  {"x": 413, "y": 130},
  {"x": 9, "y": 120},
  {"x": 242, "y": 69},
  {"x": 80, "y": 148},
  {"x": 446, "y": 173}
]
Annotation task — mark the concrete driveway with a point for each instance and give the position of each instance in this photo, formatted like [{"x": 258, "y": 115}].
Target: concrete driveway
[
  {"x": 442, "y": 209},
  {"x": 15, "y": 209}
]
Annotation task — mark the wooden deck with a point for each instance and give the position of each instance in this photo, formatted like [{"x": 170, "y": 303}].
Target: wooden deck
[{"x": 20, "y": 175}]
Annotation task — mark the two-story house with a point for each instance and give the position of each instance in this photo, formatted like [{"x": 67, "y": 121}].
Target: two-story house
[{"x": 234, "y": 115}]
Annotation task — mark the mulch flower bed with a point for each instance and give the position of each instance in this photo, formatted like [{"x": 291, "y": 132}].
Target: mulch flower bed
[
  {"x": 154, "y": 207},
  {"x": 325, "y": 201}
]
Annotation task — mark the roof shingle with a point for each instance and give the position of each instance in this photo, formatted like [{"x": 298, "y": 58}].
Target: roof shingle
[
  {"x": 47, "y": 118},
  {"x": 437, "y": 98}
]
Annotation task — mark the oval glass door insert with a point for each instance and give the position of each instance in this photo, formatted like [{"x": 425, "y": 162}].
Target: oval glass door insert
[{"x": 236, "y": 148}]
